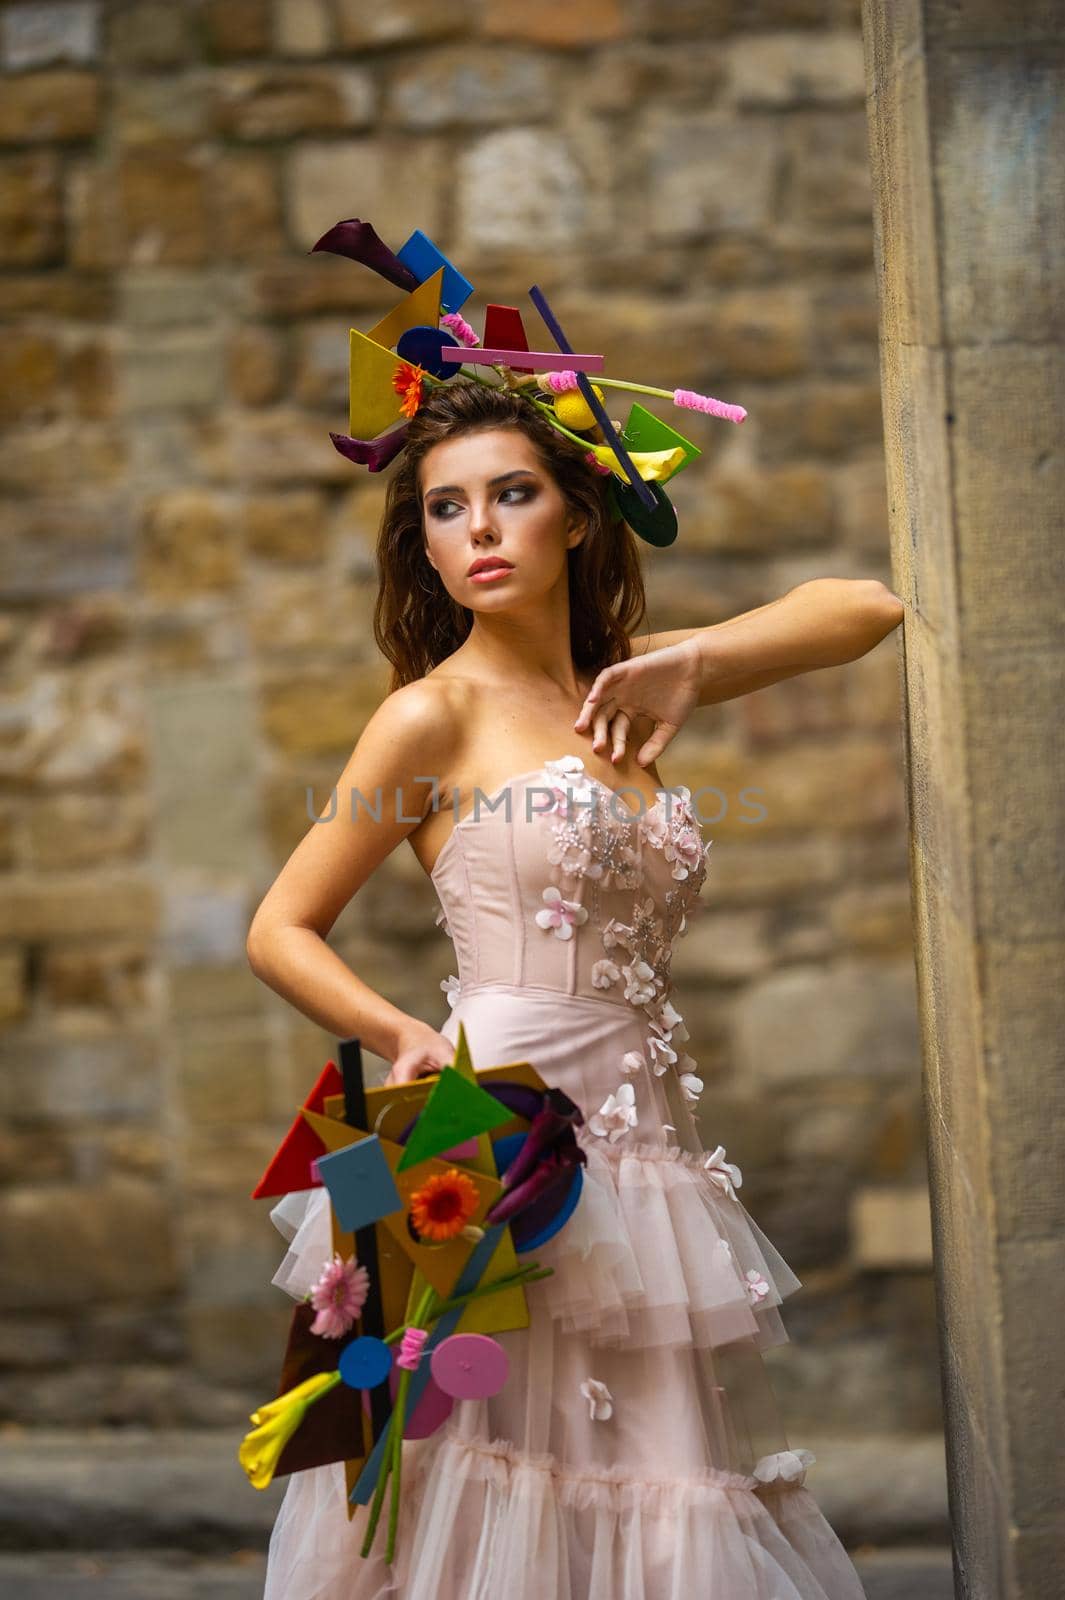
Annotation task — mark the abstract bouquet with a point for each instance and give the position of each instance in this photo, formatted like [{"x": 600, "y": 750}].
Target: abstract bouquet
[{"x": 426, "y": 1227}]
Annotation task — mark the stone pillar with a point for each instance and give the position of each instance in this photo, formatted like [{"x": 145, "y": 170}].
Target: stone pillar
[{"x": 967, "y": 128}]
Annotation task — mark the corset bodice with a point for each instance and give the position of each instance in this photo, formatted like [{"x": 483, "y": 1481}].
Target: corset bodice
[{"x": 558, "y": 882}]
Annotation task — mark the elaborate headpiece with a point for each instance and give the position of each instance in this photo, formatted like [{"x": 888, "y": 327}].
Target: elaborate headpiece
[{"x": 424, "y": 341}]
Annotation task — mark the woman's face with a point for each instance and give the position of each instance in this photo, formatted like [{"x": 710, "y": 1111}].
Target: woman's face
[{"x": 487, "y": 495}]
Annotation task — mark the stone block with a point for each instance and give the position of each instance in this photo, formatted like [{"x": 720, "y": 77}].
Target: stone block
[
  {"x": 762, "y": 333},
  {"x": 41, "y": 34},
  {"x": 188, "y": 545},
  {"x": 705, "y": 172},
  {"x": 993, "y": 131},
  {"x": 859, "y": 492},
  {"x": 151, "y": 33},
  {"x": 176, "y": 233},
  {"x": 238, "y": 27},
  {"x": 725, "y": 947},
  {"x": 303, "y": 27},
  {"x": 203, "y": 990},
  {"x": 159, "y": 109},
  {"x": 205, "y": 926},
  {"x": 76, "y": 296},
  {"x": 838, "y": 419},
  {"x": 245, "y": 200},
  {"x": 112, "y": 976},
  {"x": 49, "y": 107},
  {"x": 361, "y": 27},
  {"x": 318, "y": 711},
  {"x": 70, "y": 906},
  {"x": 554, "y": 22},
  {"x": 851, "y": 1020},
  {"x": 14, "y": 996},
  {"x": 463, "y": 85},
  {"x": 1008, "y": 493},
  {"x": 236, "y": 1344},
  {"x": 748, "y": 508},
  {"x": 172, "y": 370},
  {"x": 282, "y": 103},
  {"x": 304, "y": 616},
  {"x": 276, "y": 446},
  {"x": 828, "y": 153},
  {"x": 31, "y": 376},
  {"x": 522, "y": 187},
  {"x": 891, "y": 1227},
  {"x": 787, "y": 71},
  {"x": 203, "y": 737},
  {"x": 223, "y": 1077},
  {"x": 165, "y": 298},
  {"x": 254, "y": 366},
  {"x": 287, "y": 527},
  {"x": 400, "y": 184},
  {"x": 51, "y": 547},
  {"x": 31, "y": 223},
  {"x": 64, "y": 1244}
]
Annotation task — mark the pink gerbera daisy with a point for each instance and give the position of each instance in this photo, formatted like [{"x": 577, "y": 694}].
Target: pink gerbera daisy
[{"x": 338, "y": 1297}]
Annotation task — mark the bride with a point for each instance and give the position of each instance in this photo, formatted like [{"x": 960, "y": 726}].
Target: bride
[{"x": 509, "y": 597}]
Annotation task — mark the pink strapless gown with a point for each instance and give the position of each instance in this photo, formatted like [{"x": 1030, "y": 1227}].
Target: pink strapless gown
[{"x": 674, "y": 1480}]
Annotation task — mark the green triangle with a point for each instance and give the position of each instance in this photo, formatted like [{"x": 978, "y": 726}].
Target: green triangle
[
  {"x": 456, "y": 1110},
  {"x": 644, "y": 431}
]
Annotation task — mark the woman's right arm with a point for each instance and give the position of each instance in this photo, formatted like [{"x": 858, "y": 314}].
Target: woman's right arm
[{"x": 399, "y": 752}]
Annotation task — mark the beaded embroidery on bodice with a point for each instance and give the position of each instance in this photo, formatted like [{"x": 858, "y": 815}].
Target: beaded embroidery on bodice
[{"x": 588, "y": 899}]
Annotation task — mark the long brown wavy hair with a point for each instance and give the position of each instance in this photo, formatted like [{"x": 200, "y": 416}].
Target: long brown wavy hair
[{"x": 417, "y": 624}]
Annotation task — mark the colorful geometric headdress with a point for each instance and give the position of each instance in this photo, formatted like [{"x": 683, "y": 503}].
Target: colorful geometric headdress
[{"x": 425, "y": 341}]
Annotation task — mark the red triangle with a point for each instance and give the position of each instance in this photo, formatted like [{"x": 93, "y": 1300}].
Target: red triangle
[
  {"x": 290, "y": 1165},
  {"x": 504, "y": 330}
]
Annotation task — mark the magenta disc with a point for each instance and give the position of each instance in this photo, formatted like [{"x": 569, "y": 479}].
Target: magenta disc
[
  {"x": 470, "y": 1366},
  {"x": 433, "y": 1408}
]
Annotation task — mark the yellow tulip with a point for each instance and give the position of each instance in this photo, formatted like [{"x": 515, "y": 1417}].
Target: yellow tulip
[
  {"x": 276, "y": 1422},
  {"x": 654, "y": 466}
]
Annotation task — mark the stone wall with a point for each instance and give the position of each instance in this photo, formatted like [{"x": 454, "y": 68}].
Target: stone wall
[{"x": 188, "y": 573}]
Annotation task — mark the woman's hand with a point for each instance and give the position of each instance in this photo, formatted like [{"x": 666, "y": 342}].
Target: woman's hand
[
  {"x": 662, "y": 685},
  {"x": 422, "y": 1051}
]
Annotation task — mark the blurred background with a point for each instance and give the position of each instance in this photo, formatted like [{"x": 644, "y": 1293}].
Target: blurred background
[{"x": 187, "y": 575}]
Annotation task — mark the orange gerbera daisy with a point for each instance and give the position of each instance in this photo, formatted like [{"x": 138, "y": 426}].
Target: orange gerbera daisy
[
  {"x": 408, "y": 381},
  {"x": 444, "y": 1204}
]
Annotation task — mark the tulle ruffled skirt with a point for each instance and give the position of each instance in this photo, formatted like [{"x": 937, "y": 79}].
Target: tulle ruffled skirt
[{"x": 664, "y": 1293}]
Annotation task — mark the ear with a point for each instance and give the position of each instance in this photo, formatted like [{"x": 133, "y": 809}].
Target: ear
[{"x": 576, "y": 533}]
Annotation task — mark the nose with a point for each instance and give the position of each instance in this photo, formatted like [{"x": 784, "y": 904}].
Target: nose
[{"x": 482, "y": 527}]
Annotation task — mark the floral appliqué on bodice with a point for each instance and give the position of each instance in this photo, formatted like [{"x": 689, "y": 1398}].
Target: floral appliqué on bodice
[
  {"x": 595, "y": 837},
  {"x": 591, "y": 841}
]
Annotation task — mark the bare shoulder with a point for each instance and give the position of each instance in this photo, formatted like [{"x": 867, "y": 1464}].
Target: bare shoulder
[{"x": 413, "y": 733}]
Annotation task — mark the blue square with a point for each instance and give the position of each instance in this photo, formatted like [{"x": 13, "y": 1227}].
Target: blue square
[
  {"x": 423, "y": 258},
  {"x": 360, "y": 1183}
]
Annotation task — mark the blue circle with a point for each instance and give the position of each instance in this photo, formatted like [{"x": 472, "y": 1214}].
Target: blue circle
[
  {"x": 421, "y": 347},
  {"x": 505, "y": 1150},
  {"x": 365, "y": 1362}
]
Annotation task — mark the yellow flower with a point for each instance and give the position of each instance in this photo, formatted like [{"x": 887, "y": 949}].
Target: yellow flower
[
  {"x": 276, "y": 1422},
  {"x": 654, "y": 466}
]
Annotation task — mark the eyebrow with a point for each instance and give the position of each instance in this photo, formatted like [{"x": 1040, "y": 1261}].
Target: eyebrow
[{"x": 456, "y": 488}]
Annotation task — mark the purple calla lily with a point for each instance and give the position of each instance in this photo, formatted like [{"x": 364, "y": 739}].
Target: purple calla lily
[
  {"x": 359, "y": 242},
  {"x": 557, "y": 1116},
  {"x": 372, "y": 453},
  {"x": 554, "y": 1168}
]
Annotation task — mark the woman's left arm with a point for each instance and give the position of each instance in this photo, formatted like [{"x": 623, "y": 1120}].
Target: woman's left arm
[{"x": 823, "y": 623}]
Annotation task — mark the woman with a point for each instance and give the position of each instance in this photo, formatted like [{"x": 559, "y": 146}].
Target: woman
[{"x": 634, "y": 1452}]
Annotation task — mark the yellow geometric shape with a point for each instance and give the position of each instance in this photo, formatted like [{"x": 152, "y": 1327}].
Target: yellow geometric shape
[
  {"x": 374, "y": 404},
  {"x": 420, "y": 308},
  {"x": 441, "y": 1264}
]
